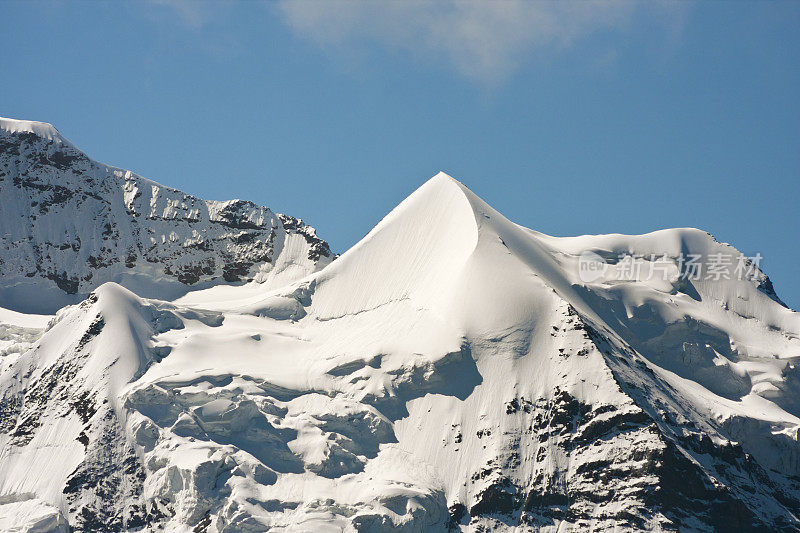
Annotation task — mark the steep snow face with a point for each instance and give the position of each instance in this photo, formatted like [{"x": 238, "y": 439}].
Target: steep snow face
[
  {"x": 452, "y": 371},
  {"x": 70, "y": 224},
  {"x": 431, "y": 235}
]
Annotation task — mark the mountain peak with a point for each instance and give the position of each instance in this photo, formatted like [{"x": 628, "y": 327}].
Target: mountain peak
[
  {"x": 443, "y": 176},
  {"x": 414, "y": 250},
  {"x": 71, "y": 223}
]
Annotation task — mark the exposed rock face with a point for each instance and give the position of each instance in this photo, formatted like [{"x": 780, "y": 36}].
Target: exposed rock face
[
  {"x": 448, "y": 373},
  {"x": 69, "y": 224}
]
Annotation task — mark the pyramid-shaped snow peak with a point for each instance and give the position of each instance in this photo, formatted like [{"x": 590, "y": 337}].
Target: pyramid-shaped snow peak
[{"x": 415, "y": 252}]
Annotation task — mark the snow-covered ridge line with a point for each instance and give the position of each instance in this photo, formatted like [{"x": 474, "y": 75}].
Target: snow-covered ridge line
[
  {"x": 44, "y": 130},
  {"x": 70, "y": 224}
]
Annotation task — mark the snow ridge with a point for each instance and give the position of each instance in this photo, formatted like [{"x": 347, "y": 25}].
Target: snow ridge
[
  {"x": 44, "y": 130},
  {"x": 71, "y": 223}
]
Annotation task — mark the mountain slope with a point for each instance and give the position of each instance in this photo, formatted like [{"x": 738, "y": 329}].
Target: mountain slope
[
  {"x": 71, "y": 224},
  {"x": 450, "y": 371}
]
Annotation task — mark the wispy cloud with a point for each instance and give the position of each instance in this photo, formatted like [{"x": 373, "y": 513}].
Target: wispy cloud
[
  {"x": 206, "y": 24},
  {"x": 190, "y": 13},
  {"x": 483, "y": 40}
]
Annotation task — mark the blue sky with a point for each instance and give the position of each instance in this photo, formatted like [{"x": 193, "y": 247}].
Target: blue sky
[{"x": 568, "y": 118}]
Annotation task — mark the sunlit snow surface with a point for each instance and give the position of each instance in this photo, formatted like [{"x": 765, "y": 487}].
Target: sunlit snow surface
[{"x": 449, "y": 371}]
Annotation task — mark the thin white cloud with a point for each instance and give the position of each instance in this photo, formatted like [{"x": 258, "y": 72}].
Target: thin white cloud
[
  {"x": 205, "y": 24},
  {"x": 188, "y": 12},
  {"x": 483, "y": 40}
]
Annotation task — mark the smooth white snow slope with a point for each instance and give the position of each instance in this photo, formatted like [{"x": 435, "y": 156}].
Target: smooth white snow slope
[{"x": 449, "y": 372}]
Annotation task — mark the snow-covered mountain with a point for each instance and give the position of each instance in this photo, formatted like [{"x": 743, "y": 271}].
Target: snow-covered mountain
[
  {"x": 69, "y": 224},
  {"x": 452, "y": 371}
]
